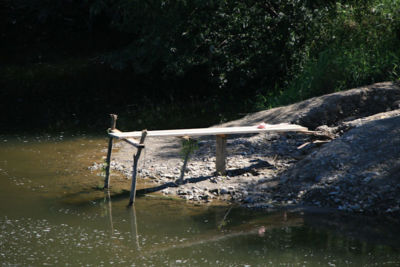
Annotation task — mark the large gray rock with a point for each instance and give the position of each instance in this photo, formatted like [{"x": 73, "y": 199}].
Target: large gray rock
[
  {"x": 372, "y": 147},
  {"x": 330, "y": 109}
]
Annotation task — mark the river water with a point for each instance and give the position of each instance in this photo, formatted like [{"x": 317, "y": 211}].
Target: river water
[{"x": 52, "y": 213}]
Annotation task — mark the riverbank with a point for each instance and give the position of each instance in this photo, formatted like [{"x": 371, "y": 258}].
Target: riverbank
[{"x": 352, "y": 165}]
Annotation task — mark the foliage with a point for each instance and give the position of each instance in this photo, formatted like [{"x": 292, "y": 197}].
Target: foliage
[
  {"x": 240, "y": 45},
  {"x": 250, "y": 48},
  {"x": 360, "y": 45},
  {"x": 189, "y": 145},
  {"x": 214, "y": 57}
]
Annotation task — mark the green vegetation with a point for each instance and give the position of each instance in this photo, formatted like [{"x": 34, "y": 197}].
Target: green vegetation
[
  {"x": 357, "y": 45},
  {"x": 189, "y": 146},
  {"x": 194, "y": 62}
]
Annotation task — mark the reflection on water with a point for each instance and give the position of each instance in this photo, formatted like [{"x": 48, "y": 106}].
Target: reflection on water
[{"x": 39, "y": 227}]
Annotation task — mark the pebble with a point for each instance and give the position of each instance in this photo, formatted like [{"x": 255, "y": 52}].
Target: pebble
[{"x": 223, "y": 191}]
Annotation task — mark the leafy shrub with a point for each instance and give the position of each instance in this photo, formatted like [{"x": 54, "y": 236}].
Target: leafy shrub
[{"x": 356, "y": 45}]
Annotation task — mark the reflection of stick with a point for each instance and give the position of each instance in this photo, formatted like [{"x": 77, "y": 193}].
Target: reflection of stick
[
  {"x": 212, "y": 236},
  {"x": 108, "y": 197},
  {"x": 201, "y": 241},
  {"x": 224, "y": 219},
  {"x": 134, "y": 231}
]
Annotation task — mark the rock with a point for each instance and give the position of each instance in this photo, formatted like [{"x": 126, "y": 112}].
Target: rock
[
  {"x": 249, "y": 200},
  {"x": 214, "y": 191},
  {"x": 223, "y": 191},
  {"x": 166, "y": 191},
  {"x": 181, "y": 192},
  {"x": 367, "y": 180}
]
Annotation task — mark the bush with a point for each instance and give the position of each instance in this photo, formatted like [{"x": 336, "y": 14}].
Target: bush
[{"x": 356, "y": 45}]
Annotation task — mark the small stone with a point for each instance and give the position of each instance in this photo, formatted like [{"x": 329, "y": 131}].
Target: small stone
[
  {"x": 223, "y": 191},
  {"x": 214, "y": 191},
  {"x": 248, "y": 199},
  {"x": 367, "y": 180},
  {"x": 166, "y": 191},
  {"x": 181, "y": 192}
]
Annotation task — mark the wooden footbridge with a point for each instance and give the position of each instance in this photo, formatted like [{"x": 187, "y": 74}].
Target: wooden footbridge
[{"x": 220, "y": 133}]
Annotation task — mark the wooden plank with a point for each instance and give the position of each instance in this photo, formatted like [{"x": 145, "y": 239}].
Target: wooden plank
[
  {"x": 284, "y": 127},
  {"x": 130, "y": 141},
  {"x": 220, "y": 156}
]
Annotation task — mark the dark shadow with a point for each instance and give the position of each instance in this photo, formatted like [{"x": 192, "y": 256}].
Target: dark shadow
[
  {"x": 197, "y": 179},
  {"x": 258, "y": 164}
]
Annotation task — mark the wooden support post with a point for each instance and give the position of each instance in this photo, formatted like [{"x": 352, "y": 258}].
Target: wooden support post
[
  {"x": 220, "y": 154},
  {"x": 134, "y": 171},
  {"x": 110, "y": 144}
]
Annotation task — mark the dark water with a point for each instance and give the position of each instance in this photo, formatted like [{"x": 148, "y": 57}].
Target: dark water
[{"x": 50, "y": 214}]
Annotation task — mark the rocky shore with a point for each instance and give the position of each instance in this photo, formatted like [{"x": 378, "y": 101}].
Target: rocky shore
[{"x": 351, "y": 163}]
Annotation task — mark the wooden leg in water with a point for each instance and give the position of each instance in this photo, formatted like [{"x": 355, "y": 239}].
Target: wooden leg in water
[
  {"x": 108, "y": 162},
  {"x": 134, "y": 171},
  {"x": 109, "y": 151},
  {"x": 220, "y": 155}
]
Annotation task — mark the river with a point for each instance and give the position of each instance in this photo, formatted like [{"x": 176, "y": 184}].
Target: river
[{"x": 53, "y": 213}]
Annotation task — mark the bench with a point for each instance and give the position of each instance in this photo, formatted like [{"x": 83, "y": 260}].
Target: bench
[{"x": 221, "y": 134}]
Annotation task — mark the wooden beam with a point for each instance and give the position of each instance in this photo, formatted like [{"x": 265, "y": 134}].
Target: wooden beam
[
  {"x": 130, "y": 141},
  {"x": 284, "y": 127},
  {"x": 134, "y": 171},
  {"x": 220, "y": 155},
  {"x": 109, "y": 151}
]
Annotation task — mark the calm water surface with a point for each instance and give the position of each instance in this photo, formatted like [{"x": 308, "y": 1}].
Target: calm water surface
[{"x": 51, "y": 214}]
